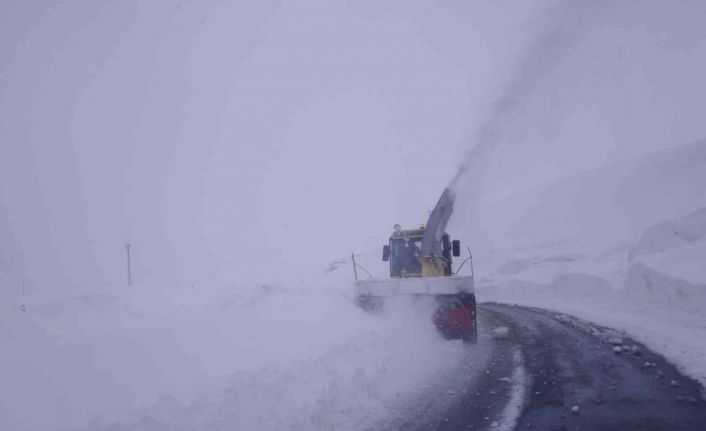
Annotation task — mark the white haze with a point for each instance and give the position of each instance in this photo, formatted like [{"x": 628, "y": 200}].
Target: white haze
[
  {"x": 238, "y": 142},
  {"x": 231, "y": 141},
  {"x": 605, "y": 81}
]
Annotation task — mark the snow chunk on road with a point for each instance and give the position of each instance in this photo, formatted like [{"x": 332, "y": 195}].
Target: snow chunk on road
[{"x": 500, "y": 332}]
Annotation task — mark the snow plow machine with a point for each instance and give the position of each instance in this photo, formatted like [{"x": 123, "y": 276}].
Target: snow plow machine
[{"x": 421, "y": 264}]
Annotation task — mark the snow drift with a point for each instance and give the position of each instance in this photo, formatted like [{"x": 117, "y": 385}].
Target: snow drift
[{"x": 257, "y": 357}]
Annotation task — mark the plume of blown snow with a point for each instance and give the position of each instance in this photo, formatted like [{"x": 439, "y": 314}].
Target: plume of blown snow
[{"x": 548, "y": 49}]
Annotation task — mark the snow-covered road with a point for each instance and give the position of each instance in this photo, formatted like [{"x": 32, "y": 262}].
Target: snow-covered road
[{"x": 570, "y": 374}]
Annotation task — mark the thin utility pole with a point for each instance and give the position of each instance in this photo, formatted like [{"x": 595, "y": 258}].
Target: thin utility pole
[
  {"x": 129, "y": 273},
  {"x": 355, "y": 269}
]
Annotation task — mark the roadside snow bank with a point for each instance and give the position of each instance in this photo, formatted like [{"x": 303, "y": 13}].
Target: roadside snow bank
[
  {"x": 650, "y": 287},
  {"x": 651, "y": 284},
  {"x": 266, "y": 358},
  {"x": 670, "y": 234},
  {"x": 668, "y": 265},
  {"x": 674, "y": 248},
  {"x": 570, "y": 286}
]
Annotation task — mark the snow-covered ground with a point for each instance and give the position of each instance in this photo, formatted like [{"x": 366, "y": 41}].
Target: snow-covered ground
[
  {"x": 623, "y": 246},
  {"x": 316, "y": 128},
  {"x": 257, "y": 357}
]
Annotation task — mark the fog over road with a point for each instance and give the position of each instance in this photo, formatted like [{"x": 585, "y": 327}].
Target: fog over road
[{"x": 547, "y": 371}]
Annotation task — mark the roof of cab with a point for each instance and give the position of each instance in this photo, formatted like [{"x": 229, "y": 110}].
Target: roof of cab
[{"x": 409, "y": 233}]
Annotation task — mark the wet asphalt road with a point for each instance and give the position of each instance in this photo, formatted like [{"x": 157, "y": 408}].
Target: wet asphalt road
[{"x": 553, "y": 372}]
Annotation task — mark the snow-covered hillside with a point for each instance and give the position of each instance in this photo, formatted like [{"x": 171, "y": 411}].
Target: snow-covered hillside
[{"x": 624, "y": 246}]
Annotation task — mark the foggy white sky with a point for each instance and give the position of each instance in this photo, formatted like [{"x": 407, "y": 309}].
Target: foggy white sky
[
  {"x": 231, "y": 140},
  {"x": 234, "y": 141},
  {"x": 605, "y": 81}
]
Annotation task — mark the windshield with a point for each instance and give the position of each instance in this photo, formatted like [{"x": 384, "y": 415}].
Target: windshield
[{"x": 404, "y": 257}]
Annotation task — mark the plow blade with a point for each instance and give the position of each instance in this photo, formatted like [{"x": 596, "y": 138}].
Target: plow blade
[
  {"x": 415, "y": 286},
  {"x": 455, "y": 315}
]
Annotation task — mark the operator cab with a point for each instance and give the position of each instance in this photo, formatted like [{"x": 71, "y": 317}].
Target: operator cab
[{"x": 404, "y": 252}]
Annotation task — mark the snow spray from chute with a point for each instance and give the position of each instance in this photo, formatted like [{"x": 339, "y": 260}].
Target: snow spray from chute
[{"x": 539, "y": 59}]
